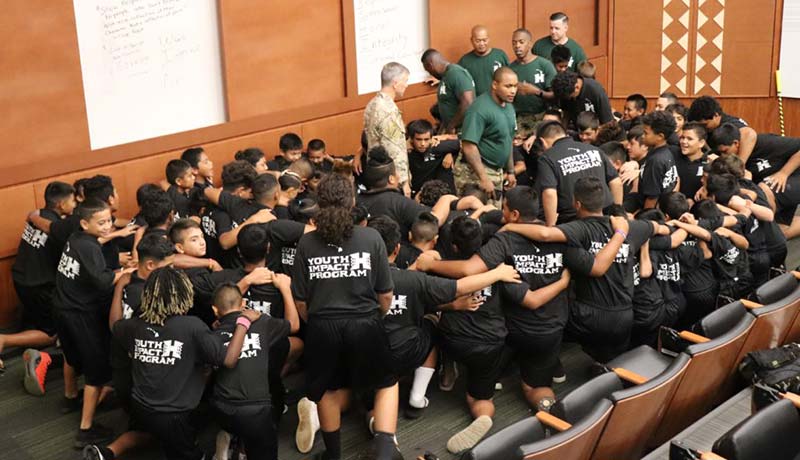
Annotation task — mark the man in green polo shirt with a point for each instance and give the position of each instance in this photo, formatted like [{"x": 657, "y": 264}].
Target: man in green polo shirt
[
  {"x": 482, "y": 61},
  {"x": 535, "y": 74},
  {"x": 559, "y": 24},
  {"x": 456, "y": 89},
  {"x": 487, "y": 138}
]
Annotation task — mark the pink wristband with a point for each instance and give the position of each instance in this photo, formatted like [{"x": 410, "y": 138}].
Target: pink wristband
[
  {"x": 243, "y": 322},
  {"x": 624, "y": 235}
]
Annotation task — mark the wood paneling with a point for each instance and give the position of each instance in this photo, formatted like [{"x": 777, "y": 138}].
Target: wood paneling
[
  {"x": 284, "y": 54},
  {"x": 748, "y": 47},
  {"x": 17, "y": 203},
  {"x": 342, "y": 133},
  {"x": 452, "y": 20},
  {"x": 41, "y": 91},
  {"x": 601, "y": 71},
  {"x": 636, "y": 62}
]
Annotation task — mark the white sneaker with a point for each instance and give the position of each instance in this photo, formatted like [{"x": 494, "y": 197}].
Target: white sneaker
[
  {"x": 307, "y": 425},
  {"x": 222, "y": 446}
]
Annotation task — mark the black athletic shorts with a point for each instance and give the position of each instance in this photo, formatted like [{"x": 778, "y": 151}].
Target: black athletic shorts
[
  {"x": 351, "y": 352},
  {"x": 278, "y": 353},
  {"x": 537, "y": 356},
  {"x": 417, "y": 345},
  {"x": 175, "y": 431},
  {"x": 86, "y": 340},
  {"x": 603, "y": 333},
  {"x": 253, "y": 424},
  {"x": 37, "y": 303},
  {"x": 484, "y": 363}
]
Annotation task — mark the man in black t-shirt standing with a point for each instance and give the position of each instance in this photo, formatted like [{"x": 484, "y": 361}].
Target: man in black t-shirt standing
[{"x": 563, "y": 163}]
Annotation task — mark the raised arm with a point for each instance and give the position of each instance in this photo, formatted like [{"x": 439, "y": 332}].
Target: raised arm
[
  {"x": 606, "y": 256},
  {"x": 537, "y": 232}
]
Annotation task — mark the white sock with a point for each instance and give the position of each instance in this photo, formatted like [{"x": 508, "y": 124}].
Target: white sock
[{"x": 422, "y": 377}]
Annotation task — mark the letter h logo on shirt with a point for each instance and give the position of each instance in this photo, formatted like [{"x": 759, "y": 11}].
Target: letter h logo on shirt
[
  {"x": 172, "y": 349},
  {"x": 360, "y": 261}
]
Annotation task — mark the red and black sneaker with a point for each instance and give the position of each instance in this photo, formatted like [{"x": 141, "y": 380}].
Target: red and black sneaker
[{"x": 36, "y": 364}]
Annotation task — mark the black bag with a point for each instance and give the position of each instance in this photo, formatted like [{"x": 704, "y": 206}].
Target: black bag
[{"x": 778, "y": 368}]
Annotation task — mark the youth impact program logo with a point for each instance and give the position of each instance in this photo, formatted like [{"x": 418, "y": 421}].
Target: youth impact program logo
[{"x": 355, "y": 265}]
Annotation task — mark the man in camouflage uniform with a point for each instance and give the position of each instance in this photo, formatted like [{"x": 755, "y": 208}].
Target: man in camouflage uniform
[{"x": 383, "y": 123}]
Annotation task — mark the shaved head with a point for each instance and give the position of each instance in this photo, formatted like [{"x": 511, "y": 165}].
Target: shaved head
[
  {"x": 478, "y": 30},
  {"x": 480, "y": 40},
  {"x": 502, "y": 72}
]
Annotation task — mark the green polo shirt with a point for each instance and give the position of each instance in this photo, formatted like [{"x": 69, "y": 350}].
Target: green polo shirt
[
  {"x": 455, "y": 81},
  {"x": 490, "y": 127},
  {"x": 544, "y": 46},
  {"x": 482, "y": 68},
  {"x": 539, "y": 72}
]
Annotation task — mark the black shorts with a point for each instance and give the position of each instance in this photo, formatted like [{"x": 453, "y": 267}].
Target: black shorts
[
  {"x": 253, "y": 424},
  {"x": 415, "y": 348},
  {"x": 537, "y": 355},
  {"x": 347, "y": 353},
  {"x": 278, "y": 353},
  {"x": 37, "y": 303},
  {"x": 484, "y": 363},
  {"x": 175, "y": 431},
  {"x": 603, "y": 333},
  {"x": 86, "y": 340}
]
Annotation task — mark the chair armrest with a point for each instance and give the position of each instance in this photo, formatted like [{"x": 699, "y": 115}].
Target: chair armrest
[
  {"x": 710, "y": 456},
  {"x": 552, "y": 421},
  {"x": 692, "y": 337},
  {"x": 630, "y": 376},
  {"x": 750, "y": 305}
]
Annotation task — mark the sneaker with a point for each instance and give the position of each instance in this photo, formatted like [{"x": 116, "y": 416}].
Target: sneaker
[
  {"x": 413, "y": 412},
  {"x": 559, "y": 375},
  {"x": 96, "y": 452},
  {"x": 307, "y": 425},
  {"x": 36, "y": 364},
  {"x": 448, "y": 376},
  {"x": 97, "y": 434},
  {"x": 223, "y": 445},
  {"x": 69, "y": 405},
  {"x": 469, "y": 436}
]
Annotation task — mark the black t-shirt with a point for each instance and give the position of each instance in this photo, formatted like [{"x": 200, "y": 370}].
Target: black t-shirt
[
  {"x": 773, "y": 237},
  {"x": 279, "y": 163},
  {"x": 696, "y": 271},
  {"x": 62, "y": 229},
  {"x": 181, "y": 201},
  {"x": 83, "y": 283},
  {"x": 592, "y": 98},
  {"x": 126, "y": 243},
  {"x": 407, "y": 255},
  {"x": 614, "y": 290},
  {"x": 392, "y": 203},
  {"x": 486, "y": 325},
  {"x": 283, "y": 238},
  {"x": 132, "y": 297},
  {"x": 666, "y": 267},
  {"x": 519, "y": 155},
  {"x": 539, "y": 264},
  {"x": 648, "y": 301},
  {"x": 237, "y": 208},
  {"x": 37, "y": 255},
  {"x": 735, "y": 121},
  {"x": 216, "y": 222},
  {"x": 731, "y": 267},
  {"x": 415, "y": 294},
  {"x": 203, "y": 286},
  {"x": 248, "y": 381},
  {"x": 567, "y": 161},
  {"x": 770, "y": 154},
  {"x": 341, "y": 281},
  {"x": 690, "y": 173},
  {"x": 427, "y": 166},
  {"x": 167, "y": 361},
  {"x": 265, "y": 298},
  {"x": 658, "y": 175}
]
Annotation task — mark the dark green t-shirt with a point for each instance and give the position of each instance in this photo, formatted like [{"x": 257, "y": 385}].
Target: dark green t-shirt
[
  {"x": 490, "y": 127},
  {"x": 482, "y": 68},
  {"x": 544, "y": 46},
  {"x": 539, "y": 72},
  {"x": 455, "y": 81}
]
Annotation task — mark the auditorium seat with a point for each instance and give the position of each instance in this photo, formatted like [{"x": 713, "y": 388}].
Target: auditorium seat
[
  {"x": 638, "y": 410},
  {"x": 793, "y": 334},
  {"x": 772, "y": 433},
  {"x": 576, "y": 422},
  {"x": 779, "y": 305},
  {"x": 778, "y": 288}
]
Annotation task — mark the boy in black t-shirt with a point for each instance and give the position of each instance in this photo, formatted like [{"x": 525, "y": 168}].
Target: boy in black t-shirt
[
  {"x": 202, "y": 166},
  {"x": 34, "y": 276},
  {"x": 707, "y": 111},
  {"x": 181, "y": 178},
  {"x": 422, "y": 237},
  {"x": 84, "y": 286},
  {"x": 318, "y": 157},
  {"x": 430, "y": 160},
  {"x": 774, "y": 158},
  {"x": 577, "y": 94},
  {"x": 561, "y": 57},
  {"x": 169, "y": 351},
  {"x": 241, "y": 399},
  {"x": 658, "y": 174},
  {"x": 692, "y": 159},
  {"x": 587, "y": 126},
  {"x": 291, "y": 147}
]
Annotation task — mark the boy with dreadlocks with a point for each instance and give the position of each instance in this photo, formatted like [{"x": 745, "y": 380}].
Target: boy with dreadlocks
[{"x": 169, "y": 350}]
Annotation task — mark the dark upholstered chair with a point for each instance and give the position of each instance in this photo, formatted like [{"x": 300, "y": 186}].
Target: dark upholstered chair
[{"x": 772, "y": 433}]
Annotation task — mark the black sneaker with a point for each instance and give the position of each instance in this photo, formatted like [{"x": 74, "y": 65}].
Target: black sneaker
[
  {"x": 69, "y": 405},
  {"x": 96, "y": 452},
  {"x": 97, "y": 434}
]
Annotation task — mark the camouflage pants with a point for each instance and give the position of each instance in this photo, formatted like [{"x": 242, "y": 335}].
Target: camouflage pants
[{"x": 463, "y": 175}]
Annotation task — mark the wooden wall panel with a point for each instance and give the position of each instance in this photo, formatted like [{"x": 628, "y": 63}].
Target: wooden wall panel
[
  {"x": 17, "y": 203},
  {"x": 452, "y": 20},
  {"x": 342, "y": 133},
  {"x": 41, "y": 91},
  {"x": 281, "y": 55},
  {"x": 636, "y": 62},
  {"x": 601, "y": 71},
  {"x": 748, "y": 48},
  {"x": 8, "y": 296},
  {"x": 583, "y": 19}
]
